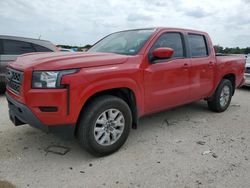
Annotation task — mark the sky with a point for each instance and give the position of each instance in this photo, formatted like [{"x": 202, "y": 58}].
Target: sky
[{"x": 81, "y": 22}]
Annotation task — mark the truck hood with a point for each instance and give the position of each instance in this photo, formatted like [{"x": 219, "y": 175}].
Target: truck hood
[{"x": 66, "y": 60}]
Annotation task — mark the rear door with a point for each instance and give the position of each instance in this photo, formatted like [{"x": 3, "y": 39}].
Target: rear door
[
  {"x": 167, "y": 80},
  {"x": 202, "y": 71},
  {"x": 5, "y": 59},
  {"x": 11, "y": 49}
]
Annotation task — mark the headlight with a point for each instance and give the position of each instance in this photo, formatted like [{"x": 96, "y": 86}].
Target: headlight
[{"x": 49, "y": 79}]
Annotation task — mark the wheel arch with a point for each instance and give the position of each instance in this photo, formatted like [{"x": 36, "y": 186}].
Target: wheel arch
[
  {"x": 128, "y": 94},
  {"x": 229, "y": 76},
  {"x": 232, "y": 78}
]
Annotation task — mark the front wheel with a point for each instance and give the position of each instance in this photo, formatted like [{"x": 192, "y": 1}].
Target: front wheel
[
  {"x": 222, "y": 96},
  {"x": 104, "y": 125}
]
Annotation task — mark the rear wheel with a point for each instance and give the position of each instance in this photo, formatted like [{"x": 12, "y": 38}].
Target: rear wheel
[
  {"x": 222, "y": 96},
  {"x": 104, "y": 125}
]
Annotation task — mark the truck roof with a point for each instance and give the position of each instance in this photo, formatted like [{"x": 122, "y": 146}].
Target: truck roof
[{"x": 166, "y": 28}]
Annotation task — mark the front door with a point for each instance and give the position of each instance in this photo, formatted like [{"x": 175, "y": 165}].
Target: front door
[{"x": 167, "y": 82}]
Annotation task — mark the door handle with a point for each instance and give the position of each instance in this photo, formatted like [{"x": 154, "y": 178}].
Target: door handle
[
  {"x": 185, "y": 66},
  {"x": 210, "y": 64}
]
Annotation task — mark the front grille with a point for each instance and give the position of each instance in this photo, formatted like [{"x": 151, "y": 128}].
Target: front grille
[
  {"x": 247, "y": 70},
  {"x": 14, "y": 80}
]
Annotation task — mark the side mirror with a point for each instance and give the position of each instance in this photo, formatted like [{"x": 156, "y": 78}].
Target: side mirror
[{"x": 162, "y": 53}]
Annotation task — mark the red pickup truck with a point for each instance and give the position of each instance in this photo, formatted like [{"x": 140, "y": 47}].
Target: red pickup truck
[{"x": 99, "y": 95}]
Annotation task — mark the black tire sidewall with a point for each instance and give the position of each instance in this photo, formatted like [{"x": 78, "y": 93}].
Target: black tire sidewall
[
  {"x": 2, "y": 88},
  {"x": 223, "y": 83},
  {"x": 88, "y": 120}
]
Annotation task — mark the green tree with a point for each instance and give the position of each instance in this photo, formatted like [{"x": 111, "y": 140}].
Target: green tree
[{"x": 218, "y": 49}]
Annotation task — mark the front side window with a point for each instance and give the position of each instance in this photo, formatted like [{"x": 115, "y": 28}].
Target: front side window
[
  {"x": 197, "y": 45},
  {"x": 170, "y": 40},
  {"x": 13, "y": 47},
  {"x": 125, "y": 42}
]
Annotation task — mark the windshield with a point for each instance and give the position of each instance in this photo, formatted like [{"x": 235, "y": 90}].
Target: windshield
[{"x": 125, "y": 42}]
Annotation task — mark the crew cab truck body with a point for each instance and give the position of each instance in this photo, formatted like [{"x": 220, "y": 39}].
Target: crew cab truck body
[{"x": 100, "y": 95}]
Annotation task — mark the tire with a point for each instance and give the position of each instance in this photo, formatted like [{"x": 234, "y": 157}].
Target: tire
[
  {"x": 2, "y": 88},
  {"x": 89, "y": 130},
  {"x": 218, "y": 103}
]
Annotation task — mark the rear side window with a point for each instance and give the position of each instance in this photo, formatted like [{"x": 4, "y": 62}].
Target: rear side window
[
  {"x": 13, "y": 47},
  {"x": 198, "y": 46},
  {"x": 41, "y": 48},
  {"x": 171, "y": 40}
]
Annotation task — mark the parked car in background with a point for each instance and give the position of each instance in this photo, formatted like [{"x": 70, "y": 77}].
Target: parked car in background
[
  {"x": 11, "y": 47},
  {"x": 247, "y": 72}
]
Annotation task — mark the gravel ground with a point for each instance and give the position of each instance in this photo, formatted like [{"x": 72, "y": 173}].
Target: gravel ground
[{"x": 186, "y": 147}]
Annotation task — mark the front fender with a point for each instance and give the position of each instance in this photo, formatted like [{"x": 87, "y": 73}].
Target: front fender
[{"x": 103, "y": 85}]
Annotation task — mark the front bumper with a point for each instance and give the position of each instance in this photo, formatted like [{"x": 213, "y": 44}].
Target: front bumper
[
  {"x": 20, "y": 114},
  {"x": 247, "y": 79}
]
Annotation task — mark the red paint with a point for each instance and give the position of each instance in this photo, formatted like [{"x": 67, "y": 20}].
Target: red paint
[
  {"x": 156, "y": 86},
  {"x": 163, "y": 52}
]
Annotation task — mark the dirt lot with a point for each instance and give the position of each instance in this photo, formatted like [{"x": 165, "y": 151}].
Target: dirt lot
[{"x": 187, "y": 146}]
